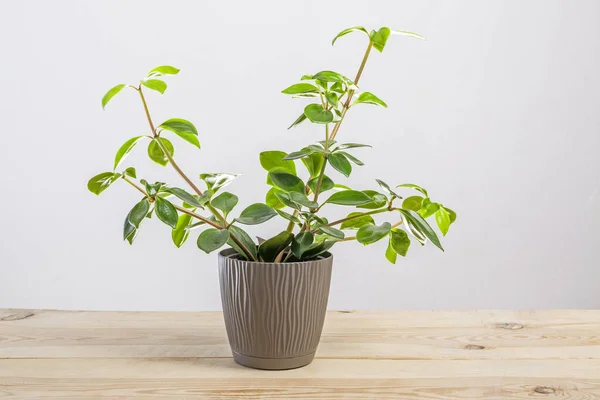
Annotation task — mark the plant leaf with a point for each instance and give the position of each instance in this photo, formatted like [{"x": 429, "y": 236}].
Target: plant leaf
[
  {"x": 245, "y": 240},
  {"x": 216, "y": 181},
  {"x": 313, "y": 163},
  {"x": 182, "y": 128},
  {"x": 386, "y": 188},
  {"x": 110, "y": 94},
  {"x": 358, "y": 220},
  {"x": 412, "y": 203},
  {"x": 452, "y": 215},
  {"x": 165, "y": 211},
  {"x": 163, "y": 70},
  {"x": 428, "y": 208},
  {"x": 399, "y": 241},
  {"x": 286, "y": 181},
  {"x": 347, "y": 31},
  {"x": 370, "y": 98},
  {"x": 272, "y": 200},
  {"x": 301, "y": 88},
  {"x": 332, "y": 98},
  {"x": 225, "y": 202},
  {"x": 180, "y": 234},
  {"x": 333, "y": 232},
  {"x": 369, "y": 234},
  {"x": 101, "y": 182},
  {"x": 416, "y": 221},
  {"x": 326, "y": 184},
  {"x": 351, "y": 158},
  {"x": 345, "y": 146},
  {"x": 155, "y": 84},
  {"x": 349, "y": 198},
  {"x": 331, "y": 76},
  {"x": 318, "y": 248},
  {"x": 406, "y": 33},
  {"x": 378, "y": 200},
  {"x": 301, "y": 199},
  {"x": 287, "y": 216},
  {"x": 317, "y": 114},
  {"x": 275, "y": 159},
  {"x": 301, "y": 243},
  {"x": 442, "y": 218},
  {"x": 270, "y": 248},
  {"x": 137, "y": 214},
  {"x": 298, "y": 120},
  {"x": 256, "y": 214},
  {"x": 340, "y": 163},
  {"x": 212, "y": 239},
  {"x": 130, "y": 172},
  {"x": 156, "y": 154},
  {"x": 284, "y": 198},
  {"x": 416, "y": 187},
  {"x": 299, "y": 154},
  {"x": 379, "y": 38},
  {"x": 185, "y": 196}
]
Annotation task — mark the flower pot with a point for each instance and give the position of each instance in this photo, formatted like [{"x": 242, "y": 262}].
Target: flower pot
[{"x": 274, "y": 312}]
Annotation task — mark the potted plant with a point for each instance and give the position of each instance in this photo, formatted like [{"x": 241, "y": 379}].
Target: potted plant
[{"x": 274, "y": 292}]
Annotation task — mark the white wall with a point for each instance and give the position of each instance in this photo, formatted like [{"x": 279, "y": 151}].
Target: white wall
[{"x": 497, "y": 114}]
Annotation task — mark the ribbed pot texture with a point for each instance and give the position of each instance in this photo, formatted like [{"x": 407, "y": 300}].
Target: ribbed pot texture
[{"x": 274, "y": 312}]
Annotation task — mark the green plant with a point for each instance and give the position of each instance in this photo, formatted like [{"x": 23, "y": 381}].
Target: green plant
[{"x": 297, "y": 201}]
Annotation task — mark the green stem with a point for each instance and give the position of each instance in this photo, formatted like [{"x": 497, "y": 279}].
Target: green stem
[{"x": 320, "y": 181}]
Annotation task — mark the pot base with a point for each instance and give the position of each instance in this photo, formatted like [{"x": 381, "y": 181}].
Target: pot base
[{"x": 273, "y": 363}]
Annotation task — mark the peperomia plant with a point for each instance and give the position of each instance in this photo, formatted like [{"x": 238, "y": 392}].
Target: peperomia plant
[{"x": 298, "y": 201}]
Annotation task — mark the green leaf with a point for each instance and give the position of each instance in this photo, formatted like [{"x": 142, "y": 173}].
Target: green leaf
[
  {"x": 246, "y": 241},
  {"x": 412, "y": 203},
  {"x": 370, "y": 98},
  {"x": 212, "y": 239},
  {"x": 155, "y": 84},
  {"x": 166, "y": 212},
  {"x": 185, "y": 196},
  {"x": 358, "y": 220},
  {"x": 399, "y": 241},
  {"x": 318, "y": 248},
  {"x": 301, "y": 88},
  {"x": 298, "y": 120},
  {"x": 313, "y": 164},
  {"x": 129, "y": 231},
  {"x": 163, "y": 70},
  {"x": 337, "y": 87},
  {"x": 137, "y": 214},
  {"x": 340, "y": 163},
  {"x": 442, "y": 218},
  {"x": 272, "y": 200},
  {"x": 301, "y": 243},
  {"x": 317, "y": 114},
  {"x": 216, "y": 181},
  {"x": 378, "y": 200},
  {"x": 152, "y": 188},
  {"x": 256, "y": 214},
  {"x": 299, "y": 154},
  {"x": 130, "y": 172},
  {"x": 347, "y": 31},
  {"x": 101, "y": 182},
  {"x": 111, "y": 93},
  {"x": 301, "y": 199},
  {"x": 351, "y": 158},
  {"x": 416, "y": 221},
  {"x": 156, "y": 154},
  {"x": 349, "y": 198},
  {"x": 333, "y": 232},
  {"x": 331, "y": 76},
  {"x": 326, "y": 184},
  {"x": 406, "y": 33},
  {"x": 284, "y": 198},
  {"x": 452, "y": 215},
  {"x": 416, "y": 187},
  {"x": 275, "y": 159},
  {"x": 225, "y": 202},
  {"x": 286, "y": 181},
  {"x": 345, "y": 146},
  {"x": 379, "y": 38},
  {"x": 180, "y": 234},
  {"x": 386, "y": 188},
  {"x": 182, "y": 128},
  {"x": 369, "y": 234},
  {"x": 390, "y": 254},
  {"x": 428, "y": 208},
  {"x": 270, "y": 248},
  {"x": 332, "y": 98}
]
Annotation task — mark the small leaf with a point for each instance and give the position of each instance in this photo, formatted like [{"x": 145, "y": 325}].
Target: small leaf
[
  {"x": 163, "y": 70},
  {"x": 386, "y": 188},
  {"x": 272, "y": 200},
  {"x": 331, "y": 76},
  {"x": 152, "y": 188},
  {"x": 358, "y": 220},
  {"x": 313, "y": 164},
  {"x": 345, "y": 146},
  {"x": 416, "y": 221},
  {"x": 452, "y": 215},
  {"x": 111, "y": 93},
  {"x": 166, "y": 212},
  {"x": 130, "y": 172},
  {"x": 326, "y": 184},
  {"x": 428, "y": 208},
  {"x": 182, "y": 128},
  {"x": 442, "y": 218},
  {"x": 301, "y": 243},
  {"x": 340, "y": 163},
  {"x": 270, "y": 248},
  {"x": 286, "y": 181},
  {"x": 246, "y": 241},
  {"x": 300, "y": 119},
  {"x": 299, "y": 154},
  {"x": 416, "y": 187},
  {"x": 275, "y": 159},
  {"x": 337, "y": 87},
  {"x": 300, "y": 88},
  {"x": 378, "y": 200},
  {"x": 369, "y": 234},
  {"x": 379, "y": 38},
  {"x": 332, "y": 98},
  {"x": 136, "y": 216},
  {"x": 180, "y": 234},
  {"x": 390, "y": 254},
  {"x": 129, "y": 231},
  {"x": 225, "y": 202},
  {"x": 349, "y": 198},
  {"x": 284, "y": 198},
  {"x": 412, "y": 203},
  {"x": 156, "y": 153},
  {"x": 406, "y": 33},
  {"x": 301, "y": 199},
  {"x": 399, "y": 241},
  {"x": 288, "y": 216},
  {"x": 185, "y": 196},
  {"x": 351, "y": 158},
  {"x": 155, "y": 84},
  {"x": 347, "y": 31},
  {"x": 256, "y": 214},
  {"x": 333, "y": 232},
  {"x": 101, "y": 182},
  {"x": 317, "y": 114},
  {"x": 370, "y": 98},
  {"x": 212, "y": 239},
  {"x": 318, "y": 248},
  {"x": 216, "y": 181}
]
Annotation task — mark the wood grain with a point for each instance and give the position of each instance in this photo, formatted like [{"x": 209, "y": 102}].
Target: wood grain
[{"x": 363, "y": 355}]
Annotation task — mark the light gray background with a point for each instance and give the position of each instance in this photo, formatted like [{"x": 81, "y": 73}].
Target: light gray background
[{"x": 497, "y": 114}]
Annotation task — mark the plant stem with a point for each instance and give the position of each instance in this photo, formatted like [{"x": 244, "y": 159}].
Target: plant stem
[
  {"x": 320, "y": 181},
  {"x": 139, "y": 188}
]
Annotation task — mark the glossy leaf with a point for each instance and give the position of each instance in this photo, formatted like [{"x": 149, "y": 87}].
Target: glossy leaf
[
  {"x": 390, "y": 254},
  {"x": 452, "y": 215},
  {"x": 351, "y": 158},
  {"x": 275, "y": 159},
  {"x": 152, "y": 188},
  {"x": 110, "y": 94},
  {"x": 156, "y": 153},
  {"x": 442, "y": 218},
  {"x": 155, "y": 84},
  {"x": 415, "y": 220},
  {"x": 130, "y": 172},
  {"x": 378, "y": 200},
  {"x": 272, "y": 200},
  {"x": 256, "y": 214},
  {"x": 331, "y": 76},
  {"x": 345, "y": 146},
  {"x": 129, "y": 231},
  {"x": 349, "y": 30},
  {"x": 298, "y": 120},
  {"x": 300, "y": 88},
  {"x": 340, "y": 163},
  {"x": 386, "y": 188},
  {"x": 413, "y": 186},
  {"x": 101, "y": 182},
  {"x": 163, "y": 70},
  {"x": 286, "y": 181},
  {"x": 284, "y": 198},
  {"x": 370, "y": 98},
  {"x": 326, "y": 184},
  {"x": 369, "y": 234},
  {"x": 225, "y": 202},
  {"x": 412, "y": 203},
  {"x": 358, "y": 220},
  {"x": 428, "y": 208},
  {"x": 288, "y": 216},
  {"x": 185, "y": 196},
  {"x": 166, "y": 212},
  {"x": 299, "y": 154},
  {"x": 406, "y": 33},
  {"x": 301, "y": 243},
  {"x": 301, "y": 199},
  {"x": 180, "y": 234},
  {"x": 349, "y": 198},
  {"x": 318, "y": 248},
  {"x": 313, "y": 164},
  {"x": 246, "y": 241},
  {"x": 379, "y": 38},
  {"x": 137, "y": 214},
  {"x": 216, "y": 181},
  {"x": 332, "y": 98},
  {"x": 333, "y": 232},
  {"x": 317, "y": 114},
  {"x": 212, "y": 239},
  {"x": 270, "y": 248},
  {"x": 399, "y": 241},
  {"x": 182, "y": 128}
]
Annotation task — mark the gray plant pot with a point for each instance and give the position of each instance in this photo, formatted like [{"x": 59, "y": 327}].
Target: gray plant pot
[{"x": 274, "y": 312}]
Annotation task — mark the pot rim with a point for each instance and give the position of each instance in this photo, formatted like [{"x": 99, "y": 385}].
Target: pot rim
[{"x": 229, "y": 252}]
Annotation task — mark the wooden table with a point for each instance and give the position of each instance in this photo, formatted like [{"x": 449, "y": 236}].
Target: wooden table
[{"x": 363, "y": 355}]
